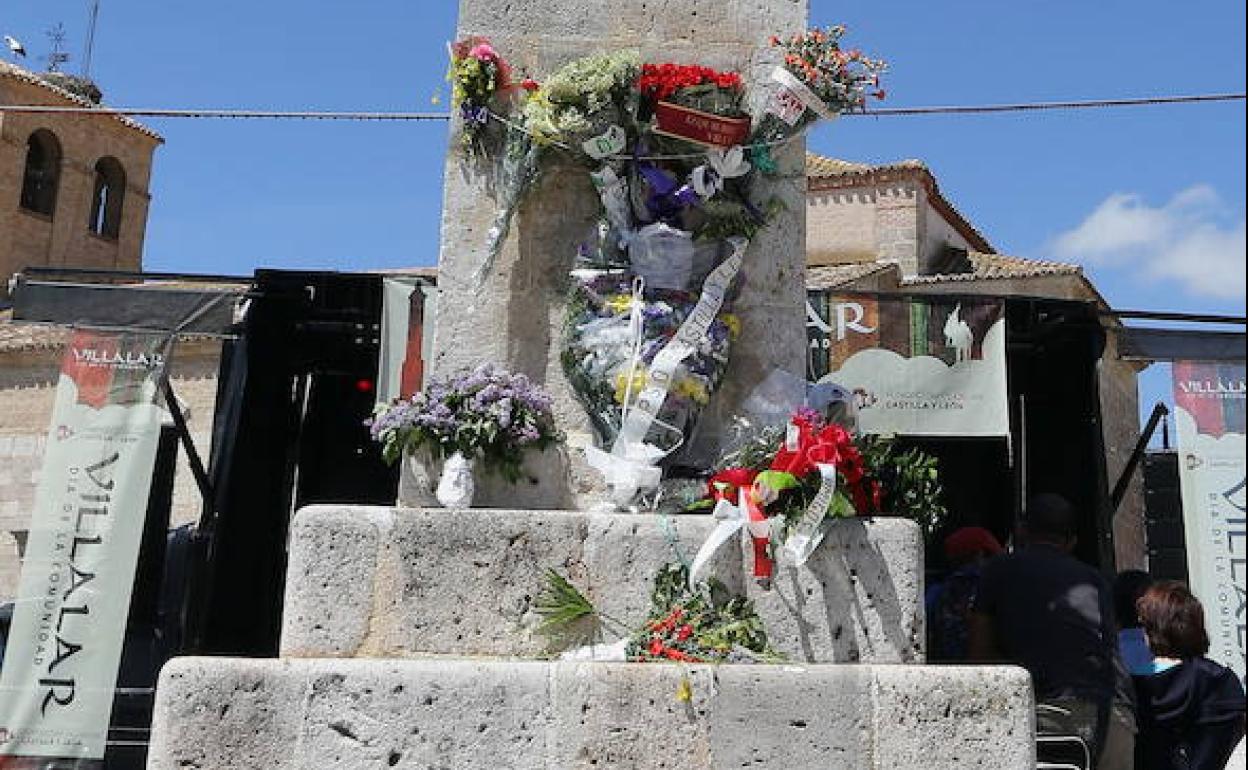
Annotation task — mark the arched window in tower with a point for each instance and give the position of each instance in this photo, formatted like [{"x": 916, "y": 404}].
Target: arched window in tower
[
  {"x": 110, "y": 190},
  {"x": 43, "y": 172}
]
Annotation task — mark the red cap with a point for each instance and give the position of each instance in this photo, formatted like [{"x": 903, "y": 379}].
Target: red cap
[{"x": 966, "y": 542}]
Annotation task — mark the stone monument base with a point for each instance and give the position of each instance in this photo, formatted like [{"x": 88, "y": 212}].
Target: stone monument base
[
  {"x": 231, "y": 714},
  {"x": 366, "y": 581},
  {"x": 409, "y": 641}
]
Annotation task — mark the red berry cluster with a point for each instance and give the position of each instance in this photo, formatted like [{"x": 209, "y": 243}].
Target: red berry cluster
[{"x": 667, "y": 632}]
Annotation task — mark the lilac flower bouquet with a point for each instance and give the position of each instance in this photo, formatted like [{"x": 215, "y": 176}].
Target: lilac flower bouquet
[{"x": 487, "y": 413}]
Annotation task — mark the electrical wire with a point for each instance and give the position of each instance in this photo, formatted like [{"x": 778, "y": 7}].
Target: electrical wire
[{"x": 979, "y": 109}]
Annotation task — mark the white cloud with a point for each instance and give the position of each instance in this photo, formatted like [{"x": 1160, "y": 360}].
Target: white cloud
[{"x": 1189, "y": 240}]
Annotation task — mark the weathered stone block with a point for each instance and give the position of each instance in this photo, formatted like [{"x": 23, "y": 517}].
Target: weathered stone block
[
  {"x": 544, "y": 484},
  {"x": 859, "y": 597},
  {"x": 935, "y": 716},
  {"x": 387, "y": 582},
  {"x": 227, "y": 715},
  {"x": 222, "y": 713}
]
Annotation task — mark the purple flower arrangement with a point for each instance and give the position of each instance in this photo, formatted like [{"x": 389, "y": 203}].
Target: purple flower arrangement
[{"x": 488, "y": 413}]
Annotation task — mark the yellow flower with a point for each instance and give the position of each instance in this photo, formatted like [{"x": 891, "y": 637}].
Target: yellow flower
[
  {"x": 733, "y": 322},
  {"x": 620, "y": 304},
  {"x": 684, "y": 689},
  {"x": 692, "y": 389},
  {"x": 622, "y": 384}
]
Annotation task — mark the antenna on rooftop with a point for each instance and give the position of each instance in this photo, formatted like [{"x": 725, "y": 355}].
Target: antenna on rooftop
[
  {"x": 90, "y": 45},
  {"x": 58, "y": 55}
]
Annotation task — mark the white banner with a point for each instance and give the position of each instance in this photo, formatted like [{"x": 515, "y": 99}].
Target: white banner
[
  {"x": 64, "y": 646},
  {"x": 1209, "y": 413}
]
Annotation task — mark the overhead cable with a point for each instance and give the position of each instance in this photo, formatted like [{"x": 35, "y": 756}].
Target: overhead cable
[{"x": 979, "y": 109}]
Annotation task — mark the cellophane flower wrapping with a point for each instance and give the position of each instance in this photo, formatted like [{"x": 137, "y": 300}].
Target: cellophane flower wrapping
[
  {"x": 839, "y": 80},
  {"x": 614, "y": 333},
  {"x": 671, "y": 216}
]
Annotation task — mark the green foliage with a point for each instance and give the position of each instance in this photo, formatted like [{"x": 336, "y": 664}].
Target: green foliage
[
  {"x": 911, "y": 481},
  {"x": 560, "y": 603},
  {"x": 753, "y": 448},
  {"x": 567, "y": 614},
  {"x": 724, "y": 216}
]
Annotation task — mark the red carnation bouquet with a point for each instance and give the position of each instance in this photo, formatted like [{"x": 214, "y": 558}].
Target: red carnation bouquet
[
  {"x": 700, "y": 623},
  {"x": 687, "y": 84},
  {"x": 695, "y": 103}
]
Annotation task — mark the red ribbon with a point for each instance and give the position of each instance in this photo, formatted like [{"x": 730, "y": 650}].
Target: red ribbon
[
  {"x": 814, "y": 445},
  {"x": 760, "y": 535},
  {"x": 698, "y": 126},
  {"x": 727, "y": 484}
]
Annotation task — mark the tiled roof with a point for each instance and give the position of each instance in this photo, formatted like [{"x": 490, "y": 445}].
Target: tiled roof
[
  {"x": 822, "y": 167},
  {"x": 988, "y": 267},
  {"x": 831, "y": 173},
  {"x": 17, "y": 73},
  {"x": 836, "y": 276}
]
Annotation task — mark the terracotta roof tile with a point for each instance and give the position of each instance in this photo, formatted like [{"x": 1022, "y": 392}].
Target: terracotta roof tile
[
  {"x": 822, "y": 167},
  {"x": 17, "y": 73},
  {"x": 837, "y": 276},
  {"x": 987, "y": 267}
]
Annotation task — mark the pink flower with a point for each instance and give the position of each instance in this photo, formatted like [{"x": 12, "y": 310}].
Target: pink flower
[{"x": 484, "y": 52}]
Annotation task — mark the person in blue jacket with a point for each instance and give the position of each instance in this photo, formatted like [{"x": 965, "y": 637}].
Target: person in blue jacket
[{"x": 1190, "y": 709}]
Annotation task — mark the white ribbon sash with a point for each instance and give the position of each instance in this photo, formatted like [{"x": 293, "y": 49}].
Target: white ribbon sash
[
  {"x": 808, "y": 533},
  {"x": 642, "y": 414},
  {"x": 731, "y": 519}
]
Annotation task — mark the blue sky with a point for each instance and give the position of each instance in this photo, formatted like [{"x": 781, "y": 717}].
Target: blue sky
[{"x": 1150, "y": 200}]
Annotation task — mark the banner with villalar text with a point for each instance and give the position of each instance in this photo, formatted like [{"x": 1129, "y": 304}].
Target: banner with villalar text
[
  {"x": 915, "y": 366},
  {"x": 1209, "y": 415},
  {"x": 65, "y": 640}
]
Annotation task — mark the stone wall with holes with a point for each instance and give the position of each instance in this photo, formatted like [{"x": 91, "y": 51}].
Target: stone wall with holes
[
  {"x": 27, "y": 386},
  {"x": 64, "y": 238}
]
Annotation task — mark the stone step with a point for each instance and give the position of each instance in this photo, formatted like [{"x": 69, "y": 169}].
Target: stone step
[
  {"x": 227, "y": 714},
  {"x": 394, "y": 582}
]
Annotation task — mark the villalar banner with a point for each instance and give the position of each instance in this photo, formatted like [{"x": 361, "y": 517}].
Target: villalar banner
[
  {"x": 60, "y": 667},
  {"x": 1210, "y": 416}
]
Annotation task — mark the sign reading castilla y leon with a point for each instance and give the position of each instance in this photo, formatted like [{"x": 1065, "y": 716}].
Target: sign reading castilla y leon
[
  {"x": 916, "y": 366},
  {"x": 64, "y": 646},
  {"x": 1209, "y": 401}
]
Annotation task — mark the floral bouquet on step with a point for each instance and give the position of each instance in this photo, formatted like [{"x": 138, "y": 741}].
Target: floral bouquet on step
[
  {"x": 688, "y": 623},
  {"x": 699, "y": 623},
  {"x": 487, "y": 414},
  {"x": 781, "y": 485}
]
